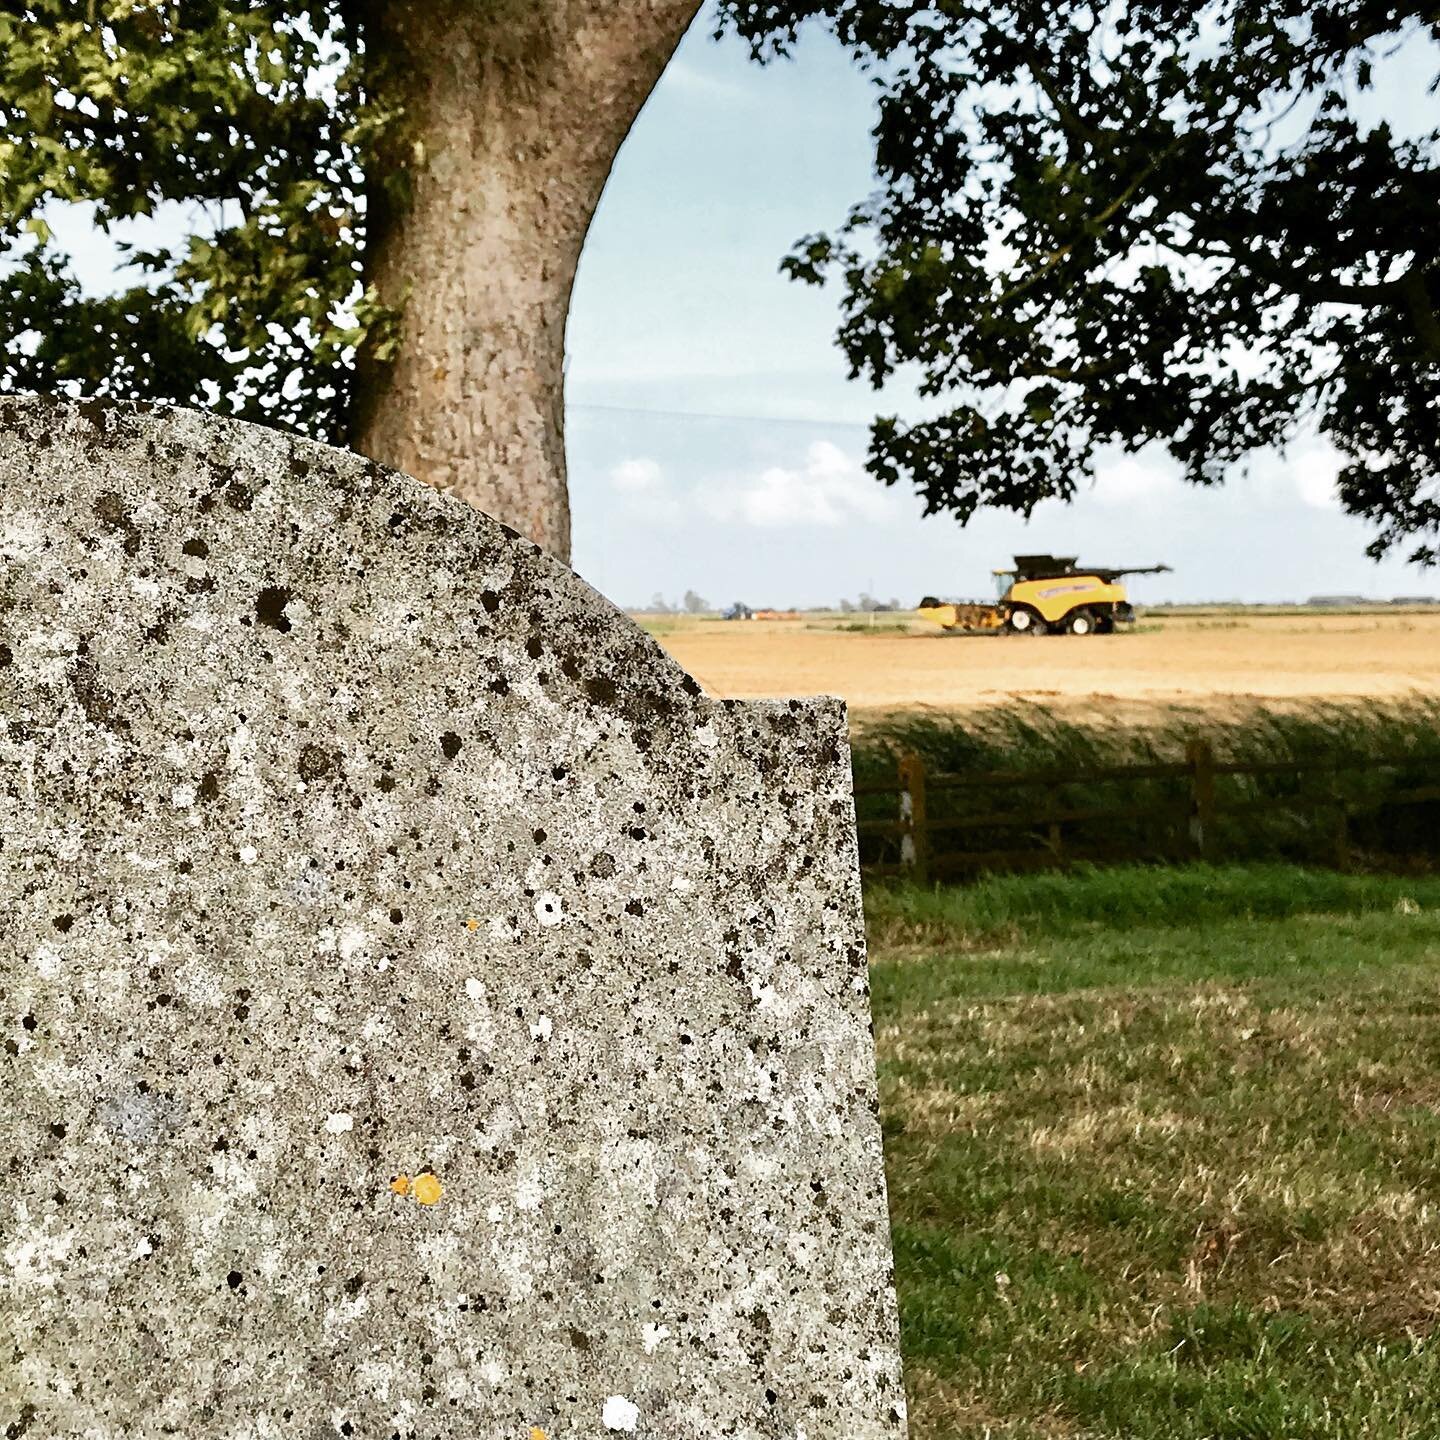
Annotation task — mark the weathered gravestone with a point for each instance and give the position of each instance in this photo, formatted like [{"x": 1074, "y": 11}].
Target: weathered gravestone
[{"x": 425, "y": 1013}]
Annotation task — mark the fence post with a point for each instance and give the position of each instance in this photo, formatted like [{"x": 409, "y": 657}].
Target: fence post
[
  {"x": 1342, "y": 836},
  {"x": 1056, "y": 836},
  {"x": 1342, "y": 821},
  {"x": 1200, "y": 756},
  {"x": 914, "y": 839}
]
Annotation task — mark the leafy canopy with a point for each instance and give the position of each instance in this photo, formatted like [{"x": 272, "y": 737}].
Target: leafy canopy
[
  {"x": 1096, "y": 225},
  {"x": 254, "y": 119},
  {"x": 1107, "y": 224}
]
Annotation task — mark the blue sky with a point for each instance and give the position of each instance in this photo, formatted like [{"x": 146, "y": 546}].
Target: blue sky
[{"x": 680, "y": 316}]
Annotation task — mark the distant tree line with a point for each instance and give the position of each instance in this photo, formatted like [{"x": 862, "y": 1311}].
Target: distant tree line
[
  {"x": 690, "y": 604},
  {"x": 868, "y": 605}
]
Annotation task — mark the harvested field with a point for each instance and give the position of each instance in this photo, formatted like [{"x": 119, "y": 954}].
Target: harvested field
[{"x": 1208, "y": 660}]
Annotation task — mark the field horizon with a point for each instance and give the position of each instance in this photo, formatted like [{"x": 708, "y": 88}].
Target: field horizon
[
  {"x": 1207, "y": 661},
  {"x": 1211, "y": 661}
]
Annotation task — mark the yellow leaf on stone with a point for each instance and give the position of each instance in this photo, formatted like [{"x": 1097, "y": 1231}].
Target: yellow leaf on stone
[
  {"x": 472, "y": 923},
  {"x": 536, "y": 1433},
  {"x": 401, "y": 1184},
  {"x": 427, "y": 1189}
]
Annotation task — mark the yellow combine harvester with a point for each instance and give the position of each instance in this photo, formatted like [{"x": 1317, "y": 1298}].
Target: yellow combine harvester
[{"x": 1043, "y": 594}]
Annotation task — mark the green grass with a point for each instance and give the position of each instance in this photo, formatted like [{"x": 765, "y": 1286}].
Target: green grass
[{"x": 1164, "y": 1153}]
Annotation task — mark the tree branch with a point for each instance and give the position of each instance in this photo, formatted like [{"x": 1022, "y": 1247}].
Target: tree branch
[
  {"x": 1422, "y": 310},
  {"x": 1101, "y": 220}
]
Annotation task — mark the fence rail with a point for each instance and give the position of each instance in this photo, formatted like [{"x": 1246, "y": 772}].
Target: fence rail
[{"x": 1192, "y": 820}]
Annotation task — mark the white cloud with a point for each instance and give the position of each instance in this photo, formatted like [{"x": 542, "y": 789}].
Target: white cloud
[
  {"x": 1306, "y": 471},
  {"x": 1315, "y": 474},
  {"x": 692, "y": 80},
  {"x": 831, "y": 488},
  {"x": 644, "y": 494},
  {"x": 1268, "y": 479},
  {"x": 1131, "y": 478},
  {"x": 633, "y": 475}
]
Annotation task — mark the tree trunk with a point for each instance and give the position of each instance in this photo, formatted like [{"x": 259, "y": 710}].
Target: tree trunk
[{"x": 514, "y": 112}]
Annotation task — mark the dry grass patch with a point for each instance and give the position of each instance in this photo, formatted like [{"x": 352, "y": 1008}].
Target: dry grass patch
[{"x": 1187, "y": 1193}]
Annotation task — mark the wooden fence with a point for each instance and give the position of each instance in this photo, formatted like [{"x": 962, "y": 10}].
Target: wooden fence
[{"x": 1191, "y": 817}]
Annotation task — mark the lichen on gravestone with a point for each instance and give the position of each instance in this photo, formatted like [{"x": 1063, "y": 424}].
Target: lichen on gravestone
[{"x": 425, "y": 1012}]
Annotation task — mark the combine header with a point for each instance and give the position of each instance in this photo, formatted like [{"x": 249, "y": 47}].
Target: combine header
[{"x": 1042, "y": 594}]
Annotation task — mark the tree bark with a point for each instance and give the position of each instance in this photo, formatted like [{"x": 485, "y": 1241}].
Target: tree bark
[{"x": 514, "y": 112}]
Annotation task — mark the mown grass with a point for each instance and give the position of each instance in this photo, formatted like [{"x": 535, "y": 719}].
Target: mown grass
[
  {"x": 1164, "y": 1153},
  {"x": 1031, "y": 738}
]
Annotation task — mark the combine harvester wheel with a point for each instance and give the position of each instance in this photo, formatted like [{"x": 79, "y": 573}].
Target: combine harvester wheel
[{"x": 1025, "y": 621}]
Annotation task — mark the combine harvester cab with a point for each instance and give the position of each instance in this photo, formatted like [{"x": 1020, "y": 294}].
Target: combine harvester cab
[{"x": 1044, "y": 594}]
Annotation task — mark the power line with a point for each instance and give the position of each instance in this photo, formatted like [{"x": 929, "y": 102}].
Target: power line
[{"x": 714, "y": 415}]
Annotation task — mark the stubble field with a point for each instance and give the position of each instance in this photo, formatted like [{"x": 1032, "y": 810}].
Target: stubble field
[{"x": 1207, "y": 659}]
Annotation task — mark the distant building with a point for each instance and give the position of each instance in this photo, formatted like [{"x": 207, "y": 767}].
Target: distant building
[
  {"x": 1416, "y": 600},
  {"x": 1332, "y": 600}
]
